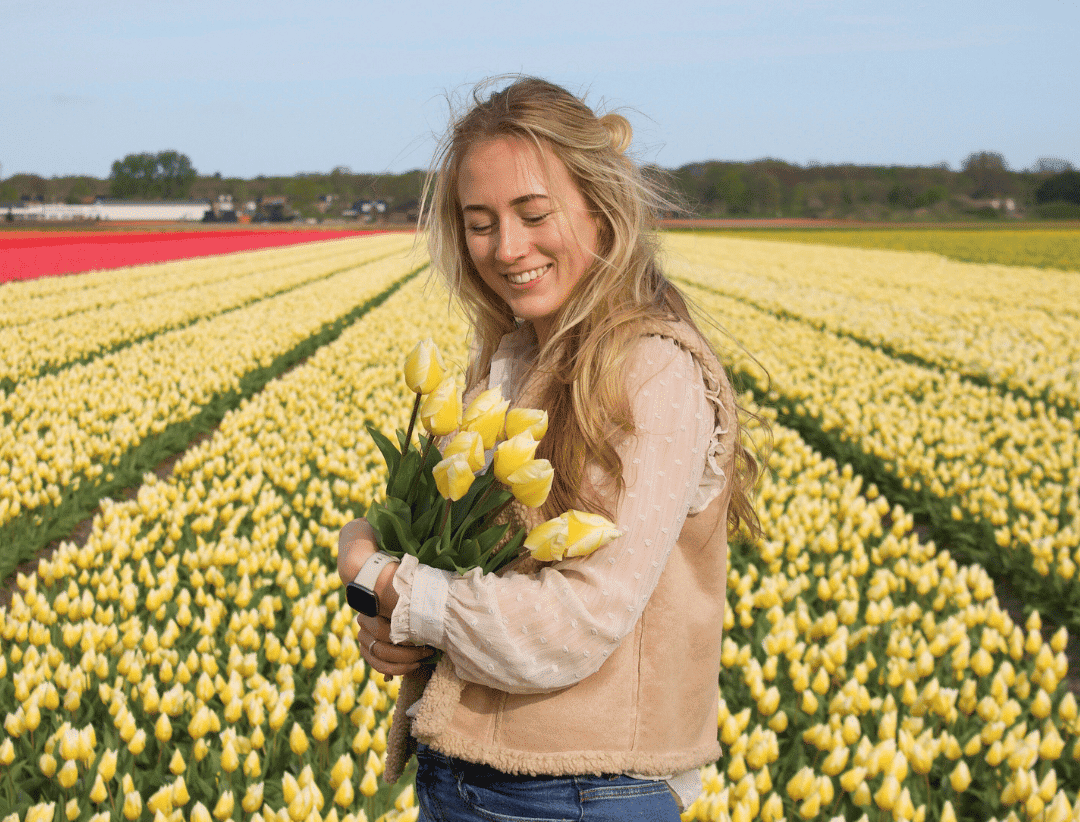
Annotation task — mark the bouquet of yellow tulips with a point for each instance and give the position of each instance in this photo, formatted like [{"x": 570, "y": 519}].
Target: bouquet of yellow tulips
[{"x": 442, "y": 506}]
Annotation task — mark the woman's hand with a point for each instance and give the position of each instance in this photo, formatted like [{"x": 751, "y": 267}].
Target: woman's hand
[
  {"x": 381, "y": 654},
  {"x": 355, "y": 544}
]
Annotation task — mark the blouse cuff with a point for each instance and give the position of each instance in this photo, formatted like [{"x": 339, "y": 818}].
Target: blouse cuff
[{"x": 419, "y": 616}]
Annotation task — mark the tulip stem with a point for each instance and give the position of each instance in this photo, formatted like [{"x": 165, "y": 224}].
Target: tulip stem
[{"x": 412, "y": 419}]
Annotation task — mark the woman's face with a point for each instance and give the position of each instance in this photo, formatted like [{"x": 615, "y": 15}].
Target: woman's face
[{"x": 529, "y": 232}]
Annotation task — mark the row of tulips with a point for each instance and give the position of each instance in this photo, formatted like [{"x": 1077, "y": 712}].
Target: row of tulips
[
  {"x": 94, "y": 428},
  {"x": 980, "y": 462},
  {"x": 969, "y": 318},
  {"x": 82, "y": 323}
]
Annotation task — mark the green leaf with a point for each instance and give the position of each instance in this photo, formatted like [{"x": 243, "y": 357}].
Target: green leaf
[
  {"x": 504, "y": 556},
  {"x": 391, "y": 455},
  {"x": 403, "y": 478}
]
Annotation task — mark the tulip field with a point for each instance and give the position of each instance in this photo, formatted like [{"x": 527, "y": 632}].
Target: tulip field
[{"x": 194, "y": 658}]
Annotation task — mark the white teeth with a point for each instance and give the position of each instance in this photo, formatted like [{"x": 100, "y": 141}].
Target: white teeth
[{"x": 527, "y": 276}]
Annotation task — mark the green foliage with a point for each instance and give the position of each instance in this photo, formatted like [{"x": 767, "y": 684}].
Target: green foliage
[
  {"x": 1063, "y": 187},
  {"x": 167, "y": 175}
]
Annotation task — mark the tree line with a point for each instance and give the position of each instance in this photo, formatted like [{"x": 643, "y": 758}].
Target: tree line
[{"x": 984, "y": 186}]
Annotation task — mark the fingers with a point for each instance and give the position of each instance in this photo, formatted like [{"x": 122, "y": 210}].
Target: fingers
[{"x": 384, "y": 656}]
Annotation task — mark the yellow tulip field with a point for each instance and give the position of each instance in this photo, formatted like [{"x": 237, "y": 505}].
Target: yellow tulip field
[{"x": 195, "y": 659}]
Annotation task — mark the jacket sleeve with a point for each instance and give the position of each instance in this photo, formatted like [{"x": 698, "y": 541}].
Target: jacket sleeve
[{"x": 531, "y": 633}]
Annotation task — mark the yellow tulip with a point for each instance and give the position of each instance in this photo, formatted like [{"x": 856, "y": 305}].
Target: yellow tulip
[
  {"x": 368, "y": 785},
  {"x": 424, "y": 367},
  {"x": 547, "y": 541},
  {"x": 960, "y": 777},
  {"x": 133, "y": 805},
  {"x": 163, "y": 728},
  {"x": 224, "y": 807},
  {"x": 98, "y": 793},
  {"x": 486, "y": 415},
  {"x": 468, "y": 444},
  {"x": 453, "y": 477},
  {"x": 531, "y": 483},
  {"x": 68, "y": 775},
  {"x": 520, "y": 420},
  {"x": 47, "y": 763},
  {"x": 441, "y": 409},
  {"x": 342, "y": 770},
  {"x": 1052, "y": 745},
  {"x": 344, "y": 794},
  {"x": 7, "y": 752},
  {"x": 138, "y": 742},
  {"x": 252, "y": 765},
  {"x": 298, "y": 740},
  {"x": 800, "y": 785},
  {"x": 177, "y": 764},
  {"x": 180, "y": 795},
  {"x": 253, "y": 797},
  {"x": 230, "y": 761},
  {"x": 160, "y": 801},
  {"x": 888, "y": 794},
  {"x": 513, "y": 453},
  {"x": 587, "y": 532},
  {"x": 200, "y": 814}
]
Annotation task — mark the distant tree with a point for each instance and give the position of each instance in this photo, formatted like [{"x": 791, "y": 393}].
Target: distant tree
[
  {"x": 1051, "y": 165},
  {"x": 1063, "y": 187},
  {"x": 166, "y": 175},
  {"x": 988, "y": 173},
  {"x": 81, "y": 188}
]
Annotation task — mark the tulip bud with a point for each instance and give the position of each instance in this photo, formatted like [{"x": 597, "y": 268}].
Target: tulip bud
[
  {"x": 180, "y": 795},
  {"x": 253, "y": 797},
  {"x": 889, "y": 792},
  {"x": 512, "y": 454},
  {"x": 424, "y": 367},
  {"x": 588, "y": 532},
  {"x": 486, "y": 414},
  {"x": 520, "y": 420},
  {"x": 960, "y": 777},
  {"x": 547, "y": 541},
  {"x": 133, "y": 805},
  {"x": 531, "y": 483},
  {"x": 368, "y": 785},
  {"x": 200, "y": 814},
  {"x": 453, "y": 477},
  {"x": 224, "y": 807},
  {"x": 177, "y": 764},
  {"x": 98, "y": 793},
  {"x": 298, "y": 740},
  {"x": 468, "y": 444},
  {"x": 441, "y": 410},
  {"x": 68, "y": 775},
  {"x": 7, "y": 752}
]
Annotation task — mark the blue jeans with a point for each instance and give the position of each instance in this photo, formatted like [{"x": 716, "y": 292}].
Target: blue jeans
[{"x": 452, "y": 790}]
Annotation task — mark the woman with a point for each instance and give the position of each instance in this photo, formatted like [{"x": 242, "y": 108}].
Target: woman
[{"x": 586, "y": 688}]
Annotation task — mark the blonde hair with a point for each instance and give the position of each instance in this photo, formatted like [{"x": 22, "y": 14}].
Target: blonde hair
[{"x": 584, "y": 359}]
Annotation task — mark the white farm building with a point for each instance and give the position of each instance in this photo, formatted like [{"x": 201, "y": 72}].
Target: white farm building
[{"x": 191, "y": 211}]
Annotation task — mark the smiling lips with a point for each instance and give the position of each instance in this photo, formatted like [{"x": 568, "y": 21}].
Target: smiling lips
[{"x": 527, "y": 276}]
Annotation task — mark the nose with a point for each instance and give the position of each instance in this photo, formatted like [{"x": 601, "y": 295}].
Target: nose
[{"x": 513, "y": 241}]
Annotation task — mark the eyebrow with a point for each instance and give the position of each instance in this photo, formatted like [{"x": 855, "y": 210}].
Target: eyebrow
[{"x": 524, "y": 198}]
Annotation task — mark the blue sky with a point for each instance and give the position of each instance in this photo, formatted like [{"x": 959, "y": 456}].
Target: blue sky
[{"x": 269, "y": 87}]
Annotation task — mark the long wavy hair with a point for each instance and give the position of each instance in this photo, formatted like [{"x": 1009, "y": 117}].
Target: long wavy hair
[{"x": 584, "y": 359}]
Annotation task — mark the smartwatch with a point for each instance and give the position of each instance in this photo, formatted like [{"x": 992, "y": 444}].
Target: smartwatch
[{"x": 360, "y": 593}]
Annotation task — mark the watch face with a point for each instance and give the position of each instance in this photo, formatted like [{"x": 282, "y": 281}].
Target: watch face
[{"x": 361, "y": 599}]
